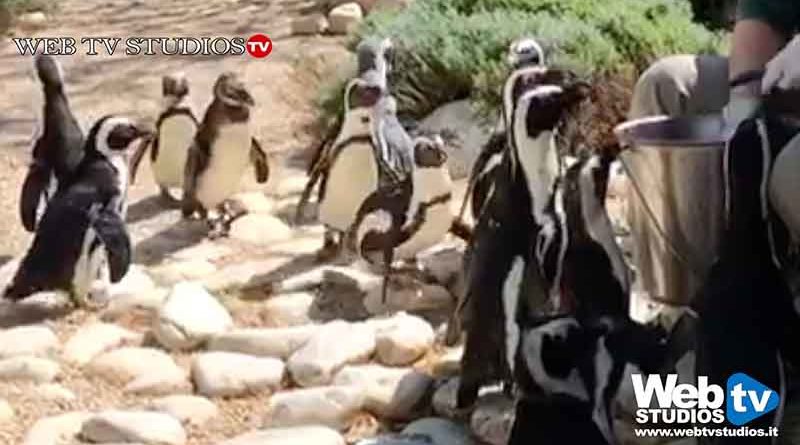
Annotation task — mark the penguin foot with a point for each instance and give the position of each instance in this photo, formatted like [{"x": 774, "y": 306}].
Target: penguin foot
[
  {"x": 168, "y": 200},
  {"x": 331, "y": 249}
]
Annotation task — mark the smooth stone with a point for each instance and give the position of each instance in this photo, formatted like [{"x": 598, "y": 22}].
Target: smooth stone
[
  {"x": 335, "y": 345},
  {"x": 493, "y": 419},
  {"x": 405, "y": 341},
  {"x": 32, "y": 20},
  {"x": 304, "y": 435},
  {"x": 313, "y": 24},
  {"x": 189, "y": 317},
  {"x": 260, "y": 229},
  {"x": 205, "y": 250},
  {"x": 145, "y": 427},
  {"x": 145, "y": 305},
  {"x": 449, "y": 363},
  {"x": 440, "y": 431},
  {"x": 344, "y": 18},
  {"x": 189, "y": 409},
  {"x": 391, "y": 393},
  {"x": 175, "y": 272},
  {"x": 408, "y": 295},
  {"x": 94, "y": 339},
  {"x": 141, "y": 370},
  {"x": 263, "y": 342},
  {"x": 34, "y": 369},
  {"x": 290, "y": 309},
  {"x": 250, "y": 274},
  {"x": 28, "y": 340},
  {"x": 218, "y": 374},
  {"x": 254, "y": 202},
  {"x": 445, "y": 398},
  {"x": 135, "y": 282},
  {"x": 331, "y": 406},
  {"x": 56, "y": 430}
]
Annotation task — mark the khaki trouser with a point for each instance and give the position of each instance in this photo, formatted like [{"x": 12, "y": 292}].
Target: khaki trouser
[{"x": 685, "y": 85}]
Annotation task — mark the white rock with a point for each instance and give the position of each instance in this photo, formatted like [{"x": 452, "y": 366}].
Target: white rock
[
  {"x": 96, "y": 338},
  {"x": 391, "y": 393},
  {"x": 290, "y": 309},
  {"x": 250, "y": 274},
  {"x": 189, "y": 317},
  {"x": 175, "y": 272},
  {"x": 332, "y": 406},
  {"x": 6, "y": 412},
  {"x": 407, "y": 295},
  {"x": 189, "y": 409},
  {"x": 27, "y": 340},
  {"x": 345, "y": 17},
  {"x": 315, "y": 23},
  {"x": 449, "y": 363},
  {"x": 56, "y": 430},
  {"x": 205, "y": 250},
  {"x": 445, "y": 263},
  {"x": 55, "y": 392},
  {"x": 143, "y": 427},
  {"x": 445, "y": 398},
  {"x": 35, "y": 369},
  {"x": 263, "y": 342},
  {"x": 135, "y": 282},
  {"x": 218, "y": 374},
  {"x": 307, "y": 435},
  {"x": 493, "y": 418},
  {"x": 261, "y": 229},
  {"x": 335, "y": 345},
  {"x": 254, "y": 202},
  {"x": 440, "y": 431},
  {"x": 32, "y": 20},
  {"x": 142, "y": 370},
  {"x": 460, "y": 118},
  {"x": 144, "y": 305},
  {"x": 408, "y": 339}
]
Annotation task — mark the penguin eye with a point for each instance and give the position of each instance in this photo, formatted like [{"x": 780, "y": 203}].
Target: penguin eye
[{"x": 364, "y": 119}]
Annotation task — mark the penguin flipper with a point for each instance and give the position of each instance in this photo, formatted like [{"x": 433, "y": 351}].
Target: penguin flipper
[
  {"x": 259, "y": 159},
  {"x": 111, "y": 230},
  {"x": 138, "y": 154},
  {"x": 33, "y": 189},
  {"x": 196, "y": 161},
  {"x": 395, "y": 149}
]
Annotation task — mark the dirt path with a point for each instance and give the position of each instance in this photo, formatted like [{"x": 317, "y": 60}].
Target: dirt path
[{"x": 283, "y": 84}]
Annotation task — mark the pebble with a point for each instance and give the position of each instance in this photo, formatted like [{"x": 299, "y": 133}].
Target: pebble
[
  {"x": 188, "y": 409},
  {"x": 391, "y": 393},
  {"x": 345, "y": 17},
  {"x": 218, "y": 374},
  {"x": 142, "y": 370},
  {"x": 145, "y": 427},
  {"x": 405, "y": 341},
  {"x": 335, "y": 345},
  {"x": 27, "y": 340},
  {"x": 260, "y": 229},
  {"x": 306, "y": 435},
  {"x": 331, "y": 406},
  {"x": 189, "y": 317},
  {"x": 56, "y": 430},
  {"x": 263, "y": 342},
  {"x": 34, "y": 369},
  {"x": 94, "y": 339},
  {"x": 493, "y": 419}
]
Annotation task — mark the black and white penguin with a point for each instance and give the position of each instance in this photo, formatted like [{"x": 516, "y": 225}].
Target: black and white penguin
[
  {"x": 81, "y": 243},
  {"x": 370, "y": 140},
  {"x": 518, "y": 220},
  {"x": 522, "y": 53},
  {"x": 400, "y": 220},
  {"x": 58, "y": 150},
  {"x": 746, "y": 291},
  {"x": 176, "y": 127},
  {"x": 223, "y": 149}
]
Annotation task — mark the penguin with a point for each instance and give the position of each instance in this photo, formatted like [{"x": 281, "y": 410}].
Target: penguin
[
  {"x": 81, "y": 243},
  {"x": 370, "y": 140},
  {"x": 745, "y": 291},
  {"x": 519, "y": 220},
  {"x": 176, "y": 127},
  {"x": 400, "y": 220},
  {"x": 58, "y": 150},
  {"x": 522, "y": 53},
  {"x": 223, "y": 148}
]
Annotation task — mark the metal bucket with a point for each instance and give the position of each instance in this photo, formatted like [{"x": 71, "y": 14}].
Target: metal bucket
[{"x": 675, "y": 200}]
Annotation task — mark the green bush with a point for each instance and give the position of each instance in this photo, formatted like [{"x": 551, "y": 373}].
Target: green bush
[{"x": 454, "y": 49}]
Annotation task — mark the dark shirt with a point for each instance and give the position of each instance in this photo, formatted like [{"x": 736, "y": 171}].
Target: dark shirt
[{"x": 784, "y": 15}]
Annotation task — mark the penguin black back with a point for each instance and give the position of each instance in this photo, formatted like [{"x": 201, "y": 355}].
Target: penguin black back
[{"x": 58, "y": 150}]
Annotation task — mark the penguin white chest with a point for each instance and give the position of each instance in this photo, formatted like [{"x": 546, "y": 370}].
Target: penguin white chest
[
  {"x": 229, "y": 158},
  {"x": 352, "y": 177},
  {"x": 429, "y": 184},
  {"x": 91, "y": 269},
  {"x": 175, "y": 136}
]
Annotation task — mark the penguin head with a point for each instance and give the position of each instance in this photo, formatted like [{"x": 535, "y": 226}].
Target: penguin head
[
  {"x": 545, "y": 97},
  {"x": 429, "y": 152},
  {"x": 175, "y": 85},
  {"x": 525, "y": 51},
  {"x": 113, "y": 135},
  {"x": 375, "y": 54},
  {"x": 230, "y": 90}
]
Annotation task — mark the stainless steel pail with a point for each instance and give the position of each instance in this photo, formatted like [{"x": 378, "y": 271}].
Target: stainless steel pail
[{"x": 675, "y": 200}]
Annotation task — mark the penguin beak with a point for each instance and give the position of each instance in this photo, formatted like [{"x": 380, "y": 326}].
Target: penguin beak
[{"x": 246, "y": 97}]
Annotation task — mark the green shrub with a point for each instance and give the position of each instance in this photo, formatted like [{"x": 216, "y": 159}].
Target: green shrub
[{"x": 454, "y": 49}]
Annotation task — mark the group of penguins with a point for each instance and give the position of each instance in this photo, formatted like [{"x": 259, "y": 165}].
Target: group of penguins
[{"x": 545, "y": 310}]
